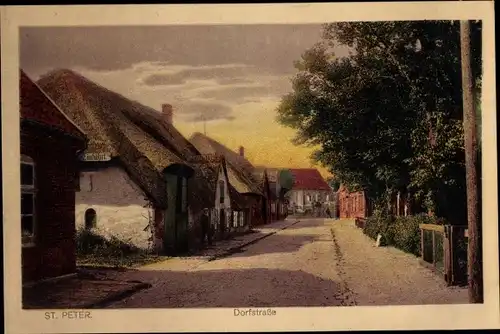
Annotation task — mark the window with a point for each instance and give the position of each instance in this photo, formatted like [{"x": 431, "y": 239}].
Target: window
[
  {"x": 221, "y": 191},
  {"x": 241, "y": 216},
  {"x": 90, "y": 219},
  {"x": 28, "y": 194},
  {"x": 235, "y": 218}
]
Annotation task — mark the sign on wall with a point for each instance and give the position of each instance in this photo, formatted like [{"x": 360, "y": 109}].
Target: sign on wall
[{"x": 95, "y": 157}]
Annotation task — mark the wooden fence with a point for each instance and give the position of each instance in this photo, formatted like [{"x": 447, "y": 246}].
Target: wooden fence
[{"x": 443, "y": 248}]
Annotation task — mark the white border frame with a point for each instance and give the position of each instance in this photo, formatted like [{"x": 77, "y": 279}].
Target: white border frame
[{"x": 486, "y": 315}]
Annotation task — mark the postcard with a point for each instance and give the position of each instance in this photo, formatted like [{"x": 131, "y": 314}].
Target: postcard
[{"x": 248, "y": 167}]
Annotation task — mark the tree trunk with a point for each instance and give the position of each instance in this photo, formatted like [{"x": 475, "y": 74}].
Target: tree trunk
[{"x": 474, "y": 253}]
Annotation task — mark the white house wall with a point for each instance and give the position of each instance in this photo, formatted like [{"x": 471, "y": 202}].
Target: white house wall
[
  {"x": 300, "y": 197},
  {"x": 227, "y": 200},
  {"x": 121, "y": 206}
]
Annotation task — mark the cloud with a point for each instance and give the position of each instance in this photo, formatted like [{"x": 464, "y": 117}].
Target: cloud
[
  {"x": 199, "y": 110},
  {"x": 232, "y": 81},
  {"x": 163, "y": 80},
  {"x": 261, "y": 88},
  {"x": 99, "y": 48},
  {"x": 226, "y": 73},
  {"x": 235, "y": 94}
]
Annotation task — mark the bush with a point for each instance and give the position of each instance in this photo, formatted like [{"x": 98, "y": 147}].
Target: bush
[
  {"x": 377, "y": 224},
  {"x": 406, "y": 233},
  {"x": 400, "y": 232},
  {"x": 90, "y": 243}
]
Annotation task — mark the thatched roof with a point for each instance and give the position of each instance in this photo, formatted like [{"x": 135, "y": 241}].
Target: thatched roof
[
  {"x": 129, "y": 131},
  {"x": 208, "y": 167},
  {"x": 240, "y": 170}
]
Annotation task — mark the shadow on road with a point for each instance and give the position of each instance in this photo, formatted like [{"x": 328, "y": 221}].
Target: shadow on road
[
  {"x": 308, "y": 222},
  {"x": 231, "y": 288},
  {"x": 277, "y": 243}
]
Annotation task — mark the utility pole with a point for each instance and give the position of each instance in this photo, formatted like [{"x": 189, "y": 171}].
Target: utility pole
[
  {"x": 204, "y": 125},
  {"x": 474, "y": 251}
]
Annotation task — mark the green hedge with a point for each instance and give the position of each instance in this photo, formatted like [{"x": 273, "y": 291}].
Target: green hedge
[{"x": 400, "y": 232}]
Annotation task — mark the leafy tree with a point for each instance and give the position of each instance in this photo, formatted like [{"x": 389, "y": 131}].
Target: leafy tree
[
  {"x": 333, "y": 183},
  {"x": 388, "y": 117}
]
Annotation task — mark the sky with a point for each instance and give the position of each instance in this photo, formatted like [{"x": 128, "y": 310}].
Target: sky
[{"x": 225, "y": 80}]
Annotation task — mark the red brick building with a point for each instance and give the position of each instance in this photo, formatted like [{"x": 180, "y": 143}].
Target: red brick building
[
  {"x": 50, "y": 143},
  {"x": 352, "y": 204}
]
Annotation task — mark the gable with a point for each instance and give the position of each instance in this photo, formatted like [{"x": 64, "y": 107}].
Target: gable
[
  {"x": 240, "y": 171},
  {"x": 36, "y": 106}
]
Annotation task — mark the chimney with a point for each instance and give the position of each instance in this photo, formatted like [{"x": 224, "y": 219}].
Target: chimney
[
  {"x": 242, "y": 151},
  {"x": 167, "y": 112}
]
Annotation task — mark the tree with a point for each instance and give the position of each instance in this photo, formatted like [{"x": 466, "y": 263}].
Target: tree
[
  {"x": 333, "y": 183},
  {"x": 387, "y": 117}
]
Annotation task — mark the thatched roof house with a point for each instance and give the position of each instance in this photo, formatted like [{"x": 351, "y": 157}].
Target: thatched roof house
[
  {"x": 240, "y": 170},
  {"x": 133, "y": 134}
]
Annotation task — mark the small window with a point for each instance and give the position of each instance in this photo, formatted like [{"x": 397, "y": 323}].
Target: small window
[
  {"x": 241, "y": 216},
  {"x": 90, "y": 219},
  {"x": 235, "y": 218},
  {"x": 28, "y": 195}
]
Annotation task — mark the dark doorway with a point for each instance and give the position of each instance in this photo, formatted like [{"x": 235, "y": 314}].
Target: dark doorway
[{"x": 222, "y": 222}]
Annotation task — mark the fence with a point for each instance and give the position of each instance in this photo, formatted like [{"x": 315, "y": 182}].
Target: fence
[{"x": 443, "y": 248}]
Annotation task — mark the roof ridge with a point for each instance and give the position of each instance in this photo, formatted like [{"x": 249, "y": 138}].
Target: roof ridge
[{"x": 61, "y": 76}]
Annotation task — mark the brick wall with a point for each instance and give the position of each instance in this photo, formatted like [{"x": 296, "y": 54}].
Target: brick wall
[
  {"x": 352, "y": 205},
  {"x": 53, "y": 253}
]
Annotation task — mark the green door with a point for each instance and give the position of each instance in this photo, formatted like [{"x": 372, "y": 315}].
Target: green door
[
  {"x": 169, "y": 217},
  {"x": 176, "y": 216},
  {"x": 181, "y": 219}
]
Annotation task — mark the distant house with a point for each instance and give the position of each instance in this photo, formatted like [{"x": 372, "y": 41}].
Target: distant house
[
  {"x": 309, "y": 189},
  {"x": 225, "y": 204},
  {"x": 136, "y": 179},
  {"x": 277, "y": 204},
  {"x": 241, "y": 177},
  {"x": 352, "y": 204},
  {"x": 50, "y": 143}
]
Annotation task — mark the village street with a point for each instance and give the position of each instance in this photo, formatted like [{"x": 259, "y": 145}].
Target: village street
[{"x": 312, "y": 262}]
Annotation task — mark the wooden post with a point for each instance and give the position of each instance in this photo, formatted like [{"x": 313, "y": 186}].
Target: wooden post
[
  {"x": 422, "y": 242},
  {"x": 474, "y": 256},
  {"x": 448, "y": 256},
  {"x": 398, "y": 197},
  {"x": 434, "y": 249}
]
